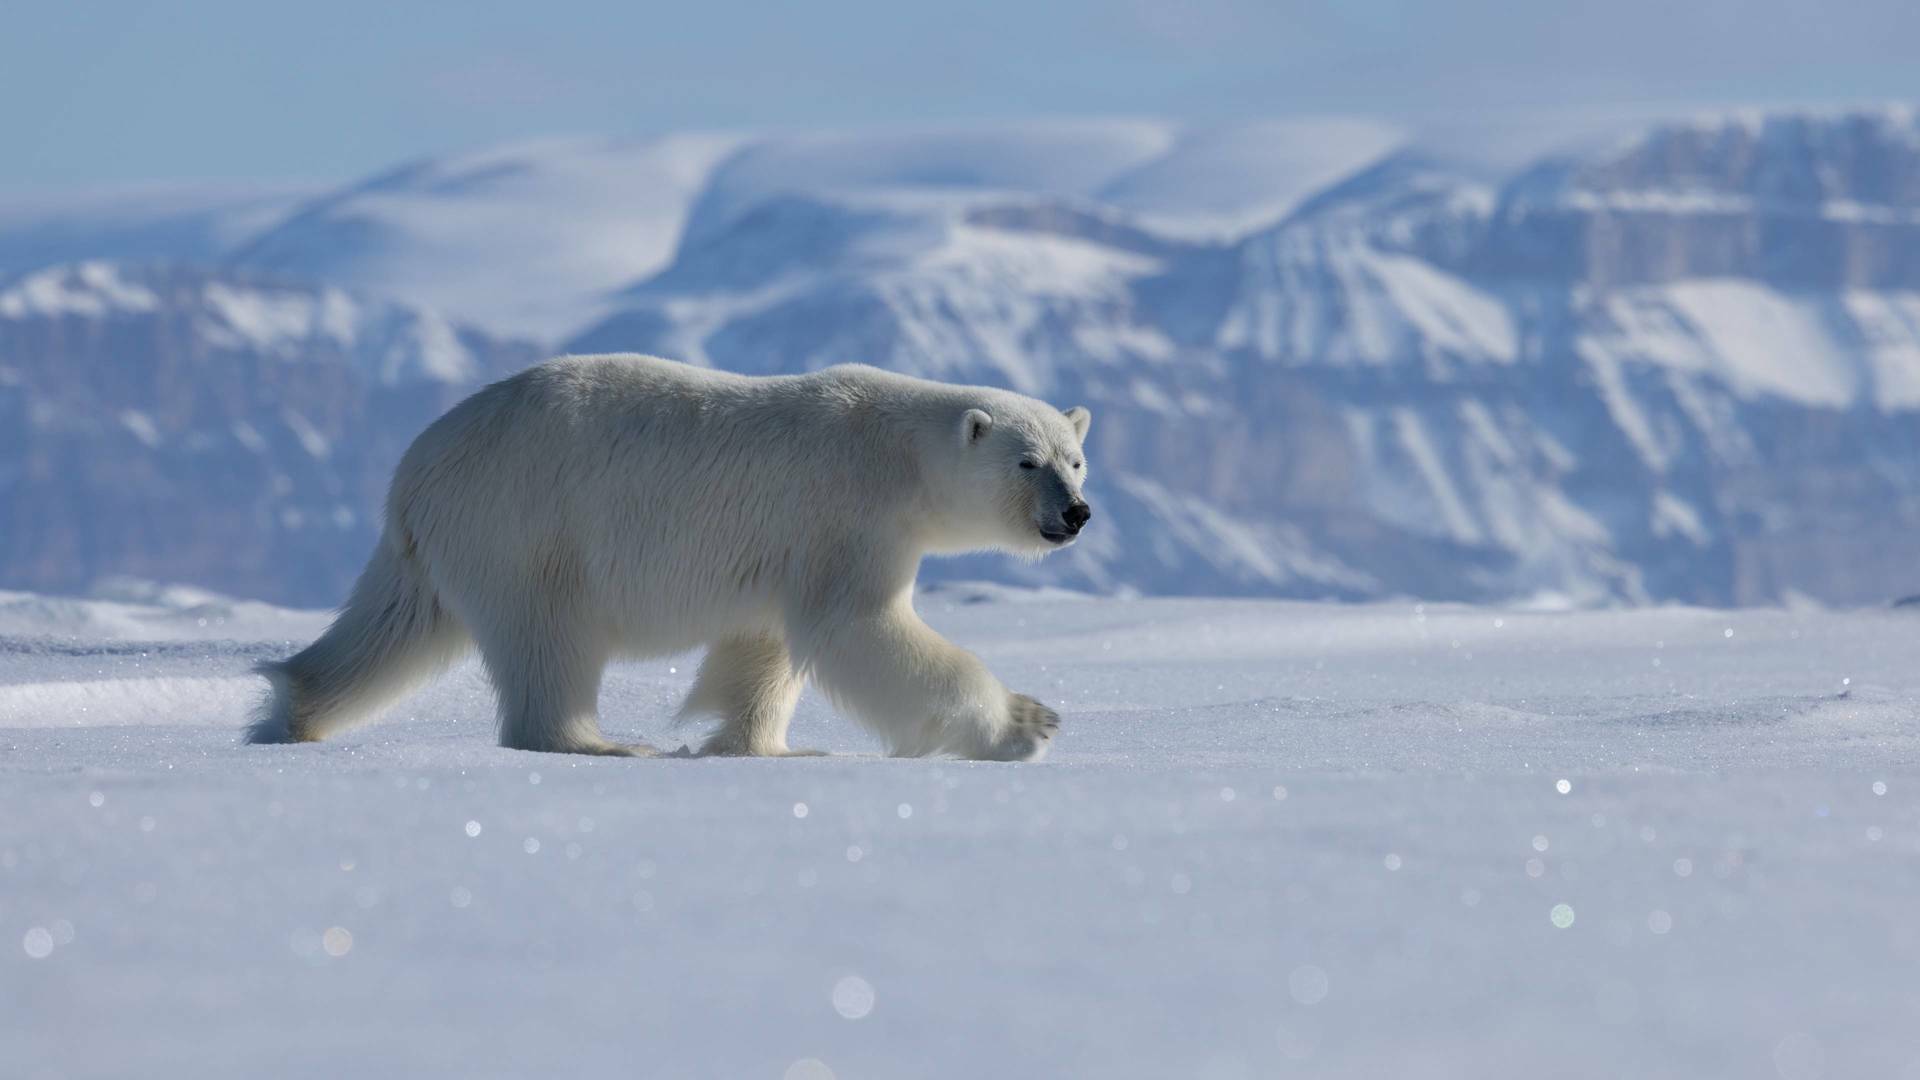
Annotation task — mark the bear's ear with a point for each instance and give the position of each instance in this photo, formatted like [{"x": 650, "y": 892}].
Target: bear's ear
[
  {"x": 1082, "y": 420},
  {"x": 974, "y": 425}
]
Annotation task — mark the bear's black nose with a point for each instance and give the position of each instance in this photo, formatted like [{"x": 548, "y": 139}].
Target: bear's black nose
[{"x": 1076, "y": 515}]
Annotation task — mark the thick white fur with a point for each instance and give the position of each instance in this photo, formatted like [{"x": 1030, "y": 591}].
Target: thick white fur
[{"x": 602, "y": 506}]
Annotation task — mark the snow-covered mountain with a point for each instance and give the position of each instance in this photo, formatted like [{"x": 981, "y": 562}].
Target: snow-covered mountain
[
  {"x": 526, "y": 237},
  {"x": 1682, "y": 367},
  {"x": 183, "y": 425},
  {"x": 532, "y": 238},
  {"x": 1324, "y": 361}
]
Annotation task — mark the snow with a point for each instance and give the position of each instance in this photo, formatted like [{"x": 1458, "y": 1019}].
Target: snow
[
  {"x": 1819, "y": 350},
  {"x": 979, "y": 297},
  {"x": 1610, "y": 382},
  {"x": 86, "y": 290},
  {"x": 141, "y": 425},
  {"x": 1766, "y": 342},
  {"x": 315, "y": 444},
  {"x": 527, "y": 237},
  {"x": 277, "y": 320},
  {"x": 395, "y": 345},
  {"x": 289, "y": 322},
  {"x": 1201, "y": 530},
  {"x": 1419, "y": 449},
  {"x": 1224, "y": 181},
  {"x": 1338, "y": 301},
  {"x": 431, "y": 344},
  {"x": 1208, "y": 183},
  {"x": 1064, "y": 158},
  {"x": 1888, "y": 325},
  {"x": 1274, "y": 839},
  {"x": 1445, "y": 311},
  {"x": 1672, "y": 514}
]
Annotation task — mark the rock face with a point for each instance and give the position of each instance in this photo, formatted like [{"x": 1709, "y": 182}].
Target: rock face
[
  {"x": 1685, "y": 366},
  {"x": 182, "y": 425}
]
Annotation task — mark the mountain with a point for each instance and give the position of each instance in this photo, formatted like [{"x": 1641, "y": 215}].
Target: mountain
[
  {"x": 179, "y": 424},
  {"x": 525, "y": 237},
  {"x": 1681, "y": 365},
  {"x": 533, "y": 238}
]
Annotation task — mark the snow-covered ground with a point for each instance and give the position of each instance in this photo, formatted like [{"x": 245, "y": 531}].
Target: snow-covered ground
[{"x": 1274, "y": 839}]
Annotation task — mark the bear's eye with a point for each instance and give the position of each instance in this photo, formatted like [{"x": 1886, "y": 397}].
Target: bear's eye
[
  {"x": 1079, "y": 464},
  {"x": 1029, "y": 464}
]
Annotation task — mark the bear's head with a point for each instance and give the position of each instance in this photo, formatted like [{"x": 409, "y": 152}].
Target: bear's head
[{"x": 1020, "y": 469}]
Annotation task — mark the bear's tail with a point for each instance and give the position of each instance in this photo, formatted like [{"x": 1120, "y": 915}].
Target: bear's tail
[{"x": 392, "y": 635}]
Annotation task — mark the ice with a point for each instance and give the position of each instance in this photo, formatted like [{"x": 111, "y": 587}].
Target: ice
[{"x": 1273, "y": 839}]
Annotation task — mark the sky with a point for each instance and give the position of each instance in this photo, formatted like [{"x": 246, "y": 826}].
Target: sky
[{"x": 103, "y": 93}]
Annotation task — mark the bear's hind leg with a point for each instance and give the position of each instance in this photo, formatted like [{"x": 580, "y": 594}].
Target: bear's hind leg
[
  {"x": 749, "y": 682},
  {"x": 548, "y": 682}
]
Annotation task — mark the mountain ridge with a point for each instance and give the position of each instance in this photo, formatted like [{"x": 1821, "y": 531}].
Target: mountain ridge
[{"x": 1683, "y": 365}]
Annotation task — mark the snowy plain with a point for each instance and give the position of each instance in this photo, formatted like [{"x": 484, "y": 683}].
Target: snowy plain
[{"x": 1274, "y": 839}]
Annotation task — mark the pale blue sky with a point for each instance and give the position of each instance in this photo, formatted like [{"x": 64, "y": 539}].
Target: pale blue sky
[{"x": 111, "y": 92}]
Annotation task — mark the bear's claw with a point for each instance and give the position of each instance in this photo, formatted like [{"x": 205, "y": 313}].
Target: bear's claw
[
  {"x": 1030, "y": 729},
  {"x": 1028, "y": 713}
]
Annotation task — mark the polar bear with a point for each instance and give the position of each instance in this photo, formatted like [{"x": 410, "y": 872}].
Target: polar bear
[{"x": 595, "y": 507}]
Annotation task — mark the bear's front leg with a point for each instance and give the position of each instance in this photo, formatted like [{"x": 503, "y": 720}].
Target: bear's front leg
[{"x": 918, "y": 691}]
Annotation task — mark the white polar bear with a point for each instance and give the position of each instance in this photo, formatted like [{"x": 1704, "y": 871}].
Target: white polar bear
[{"x": 602, "y": 506}]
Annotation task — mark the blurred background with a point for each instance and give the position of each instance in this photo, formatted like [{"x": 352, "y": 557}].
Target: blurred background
[{"x": 1564, "y": 304}]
